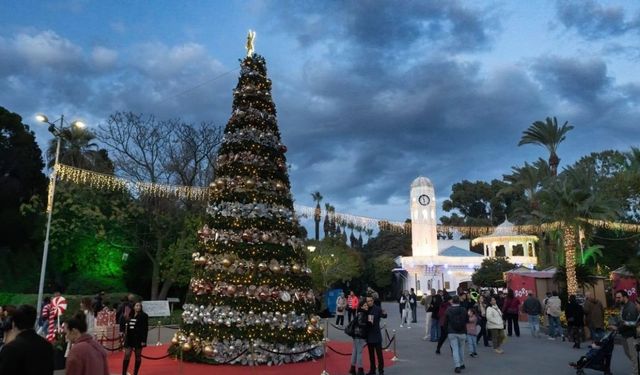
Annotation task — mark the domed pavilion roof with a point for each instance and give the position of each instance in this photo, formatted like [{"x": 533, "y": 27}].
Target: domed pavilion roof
[{"x": 505, "y": 232}]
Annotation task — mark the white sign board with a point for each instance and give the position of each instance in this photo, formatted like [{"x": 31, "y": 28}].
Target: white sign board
[{"x": 156, "y": 308}]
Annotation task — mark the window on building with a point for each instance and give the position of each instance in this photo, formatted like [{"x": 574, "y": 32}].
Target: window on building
[
  {"x": 517, "y": 250},
  {"x": 530, "y": 249},
  {"x": 500, "y": 251}
]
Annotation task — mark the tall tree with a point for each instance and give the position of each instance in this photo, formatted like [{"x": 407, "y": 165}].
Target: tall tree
[
  {"x": 548, "y": 135},
  {"x": 569, "y": 198},
  {"x": 317, "y": 215},
  {"x": 172, "y": 151},
  {"x": 21, "y": 182},
  {"x": 78, "y": 149}
]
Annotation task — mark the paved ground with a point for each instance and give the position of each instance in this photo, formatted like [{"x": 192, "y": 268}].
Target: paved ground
[{"x": 523, "y": 355}]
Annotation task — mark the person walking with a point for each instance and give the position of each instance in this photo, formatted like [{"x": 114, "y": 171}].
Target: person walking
[
  {"x": 24, "y": 351},
  {"x": 135, "y": 337},
  {"x": 626, "y": 326},
  {"x": 428, "y": 308},
  {"x": 436, "y": 301},
  {"x": 359, "y": 339},
  {"x": 481, "y": 308},
  {"x": 341, "y": 304},
  {"x": 374, "y": 337},
  {"x": 511, "y": 310},
  {"x": 495, "y": 325},
  {"x": 575, "y": 320},
  {"x": 554, "y": 310},
  {"x": 87, "y": 356},
  {"x": 594, "y": 316},
  {"x": 413, "y": 302},
  {"x": 456, "y": 318},
  {"x": 472, "y": 332},
  {"x": 405, "y": 307},
  {"x": 442, "y": 313},
  {"x": 533, "y": 309}
]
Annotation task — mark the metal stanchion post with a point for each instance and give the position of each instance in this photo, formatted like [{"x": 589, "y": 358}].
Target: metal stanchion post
[
  {"x": 395, "y": 349},
  {"x": 385, "y": 337},
  {"x": 158, "y": 343},
  {"x": 326, "y": 330},
  {"x": 324, "y": 357}
]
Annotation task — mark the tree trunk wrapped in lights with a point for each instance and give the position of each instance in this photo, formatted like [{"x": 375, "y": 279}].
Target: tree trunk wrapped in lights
[
  {"x": 251, "y": 298},
  {"x": 569, "y": 241}
]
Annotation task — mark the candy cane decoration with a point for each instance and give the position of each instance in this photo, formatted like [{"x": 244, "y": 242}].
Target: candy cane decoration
[{"x": 58, "y": 307}]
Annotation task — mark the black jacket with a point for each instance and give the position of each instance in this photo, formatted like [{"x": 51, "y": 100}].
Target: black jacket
[
  {"x": 574, "y": 314},
  {"x": 28, "y": 354},
  {"x": 362, "y": 328},
  {"x": 373, "y": 320},
  {"x": 137, "y": 328}
]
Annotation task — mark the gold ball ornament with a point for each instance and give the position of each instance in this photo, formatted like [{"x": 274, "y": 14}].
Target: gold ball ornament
[
  {"x": 311, "y": 329},
  {"x": 208, "y": 350},
  {"x": 250, "y": 184},
  {"x": 226, "y": 262},
  {"x": 262, "y": 267},
  {"x": 220, "y": 183},
  {"x": 279, "y": 186},
  {"x": 186, "y": 347},
  {"x": 265, "y": 237},
  {"x": 246, "y": 236},
  {"x": 313, "y": 320},
  {"x": 296, "y": 268},
  {"x": 174, "y": 340}
]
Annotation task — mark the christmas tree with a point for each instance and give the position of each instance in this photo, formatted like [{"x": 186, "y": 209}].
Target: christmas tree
[{"x": 250, "y": 298}]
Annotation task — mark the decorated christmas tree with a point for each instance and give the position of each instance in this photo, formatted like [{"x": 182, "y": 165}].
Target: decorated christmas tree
[{"x": 250, "y": 298}]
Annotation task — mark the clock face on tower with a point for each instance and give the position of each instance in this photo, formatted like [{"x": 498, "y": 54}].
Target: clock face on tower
[{"x": 424, "y": 199}]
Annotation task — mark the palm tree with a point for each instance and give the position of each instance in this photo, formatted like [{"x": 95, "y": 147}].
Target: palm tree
[
  {"x": 569, "y": 199},
  {"x": 317, "y": 216},
  {"x": 77, "y": 149},
  {"x": 529, "y": 180},
  {"x": 548, "y": 135}
]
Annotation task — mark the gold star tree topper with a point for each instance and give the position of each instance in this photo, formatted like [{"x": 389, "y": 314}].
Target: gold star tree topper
[{"x": 250, "y": 47}]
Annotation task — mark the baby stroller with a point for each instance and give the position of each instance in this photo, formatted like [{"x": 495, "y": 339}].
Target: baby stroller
[{"x": 598, "y": 357}]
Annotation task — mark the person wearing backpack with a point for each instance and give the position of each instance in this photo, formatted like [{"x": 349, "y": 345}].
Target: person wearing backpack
[
  {"x": 456, "y": 320},
  {"x": 358, "y": 326}
]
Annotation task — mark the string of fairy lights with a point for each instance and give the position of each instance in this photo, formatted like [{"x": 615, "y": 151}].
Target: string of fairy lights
[{"x": 63, "y": 172}]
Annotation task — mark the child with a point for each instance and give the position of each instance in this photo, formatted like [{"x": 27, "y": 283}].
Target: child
[{"x": 472, "y": 332}]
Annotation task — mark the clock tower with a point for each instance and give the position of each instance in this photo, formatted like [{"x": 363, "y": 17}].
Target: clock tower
[{"x": 424, "y": 235}]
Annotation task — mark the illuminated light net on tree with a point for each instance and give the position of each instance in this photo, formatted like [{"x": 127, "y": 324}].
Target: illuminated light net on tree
[{"x": 250, "y": 297}]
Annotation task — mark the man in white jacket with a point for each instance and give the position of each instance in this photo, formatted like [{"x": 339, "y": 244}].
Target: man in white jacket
[{"x": 554, "y": 310}]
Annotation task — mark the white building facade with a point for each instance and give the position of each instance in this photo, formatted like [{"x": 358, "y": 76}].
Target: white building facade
[{"x": 449, "y": 264}]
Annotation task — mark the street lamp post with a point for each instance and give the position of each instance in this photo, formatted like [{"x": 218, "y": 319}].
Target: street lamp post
[{"x": 57, "y": 132}]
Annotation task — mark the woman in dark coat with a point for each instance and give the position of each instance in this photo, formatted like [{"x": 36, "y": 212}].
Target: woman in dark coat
[
  {"x": 135, "y": 337},
  {"x": 575, "y": 320}
]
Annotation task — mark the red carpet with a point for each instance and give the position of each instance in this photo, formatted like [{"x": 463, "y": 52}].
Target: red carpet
[{"x": 336, "y": 364}]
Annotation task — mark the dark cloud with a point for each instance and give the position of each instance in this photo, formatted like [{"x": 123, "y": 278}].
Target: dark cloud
[
  {"x": 574, "y": 79},
  {"x": 595, "y": 21}
]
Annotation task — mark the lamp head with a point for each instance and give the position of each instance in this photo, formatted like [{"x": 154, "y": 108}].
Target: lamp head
[
  {"x": 78, "y": 124},
  {"x": 42, "y": 118}
]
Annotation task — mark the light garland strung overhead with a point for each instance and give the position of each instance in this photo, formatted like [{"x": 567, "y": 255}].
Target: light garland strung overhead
[{"x": 109, "y": 182}]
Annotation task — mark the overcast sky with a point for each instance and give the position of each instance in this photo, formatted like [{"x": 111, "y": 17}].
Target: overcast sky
[{"x": 370, "y": 94}]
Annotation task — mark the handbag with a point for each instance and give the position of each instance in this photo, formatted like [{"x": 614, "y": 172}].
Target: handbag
[{"x": 350, "y": 329}]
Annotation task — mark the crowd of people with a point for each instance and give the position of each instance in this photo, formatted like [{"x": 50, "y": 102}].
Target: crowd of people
[{"x": 23, "y": 333}]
